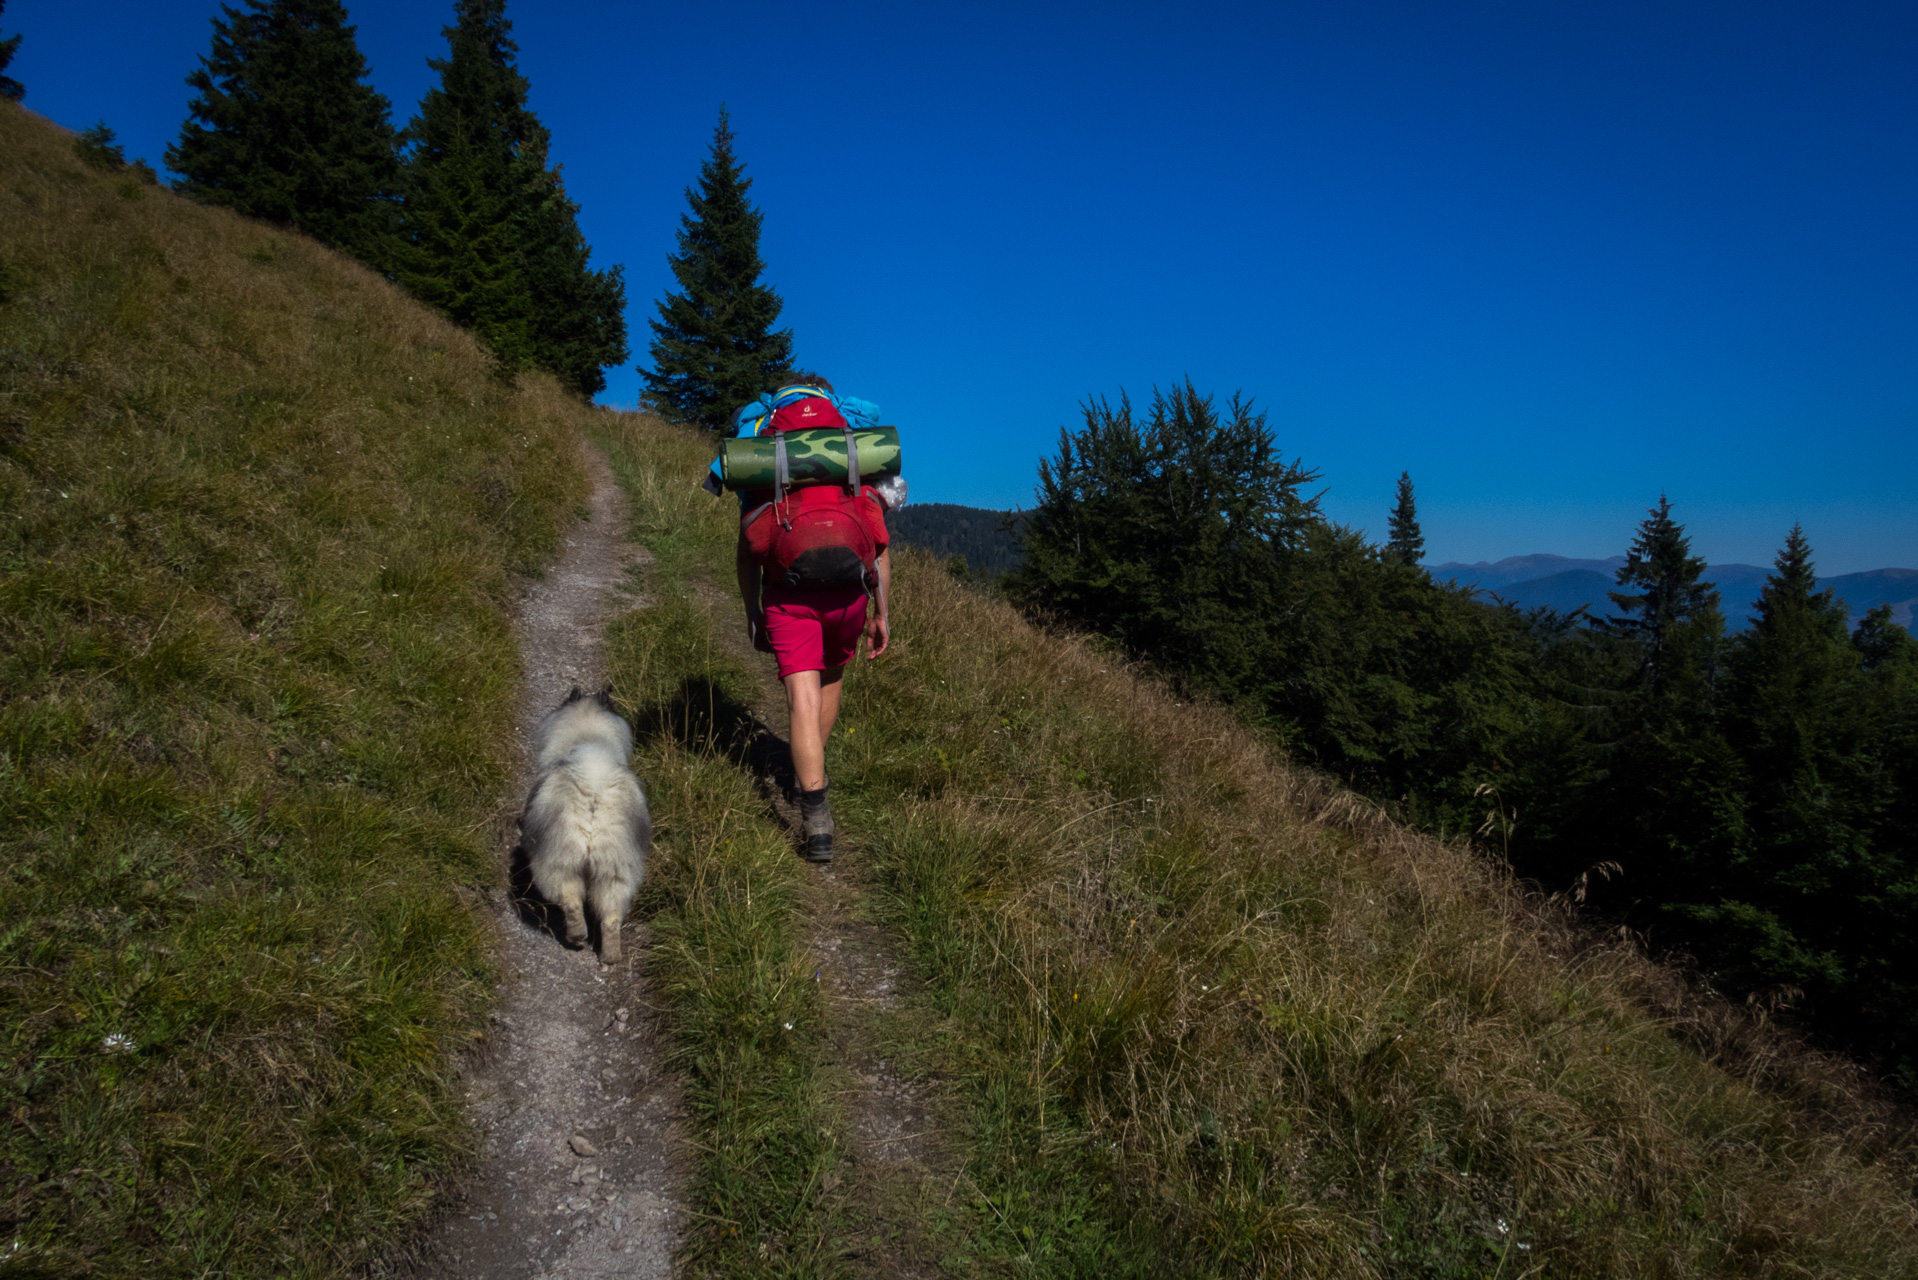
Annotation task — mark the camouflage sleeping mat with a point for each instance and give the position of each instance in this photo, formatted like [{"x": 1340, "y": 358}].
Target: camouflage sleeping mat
[{"x": 812, "y": 457}]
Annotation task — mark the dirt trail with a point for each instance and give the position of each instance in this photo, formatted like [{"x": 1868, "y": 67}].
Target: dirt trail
[
  {"x": 579, "y": 1173},
  {"x": 897, "y": 1171}
]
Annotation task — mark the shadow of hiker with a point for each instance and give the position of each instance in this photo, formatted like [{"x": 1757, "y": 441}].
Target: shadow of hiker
[{"x": 702, "y": 716}]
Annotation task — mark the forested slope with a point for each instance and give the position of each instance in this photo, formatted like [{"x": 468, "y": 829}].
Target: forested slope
[
  {"x": 1745, "y": 802},
  {"x": 986, "y": 538},
  {"x": 263, "y": 517}
]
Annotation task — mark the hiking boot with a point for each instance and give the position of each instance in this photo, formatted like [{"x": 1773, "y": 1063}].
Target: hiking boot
[{"x": 815, "y": 821}]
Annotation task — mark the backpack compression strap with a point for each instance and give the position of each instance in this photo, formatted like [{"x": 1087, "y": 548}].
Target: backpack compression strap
[
  {"x": 782, "y": 475},
  {"x": 852, "y": 464}
]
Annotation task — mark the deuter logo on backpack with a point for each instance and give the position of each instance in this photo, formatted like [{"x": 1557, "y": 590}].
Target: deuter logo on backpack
[{"x": 806, "y": 414}]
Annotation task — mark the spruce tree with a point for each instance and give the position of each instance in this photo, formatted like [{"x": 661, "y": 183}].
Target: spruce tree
[
  {"x": 285, "y": 129},
  {"x": 1883, "y": 645},
  {"x": 578, "y": 314},
  {"x": 1796, "y": 715},
  {"x": 466, "y": 186},
  {"x": 11, "y": 90},
  {"x": 714, "y": 346},
  {"x": 490, "y": 237},
  {"x": 1884, "y": 984},
  {"x": 1665, "y": 572},
  {"x": 1672, "y": 790},
  {"x": 1407, "y": 544}
]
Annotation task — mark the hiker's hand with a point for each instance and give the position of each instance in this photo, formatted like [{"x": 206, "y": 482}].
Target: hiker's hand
[
  {"x": 756, "y": 629},
  {"x": 877, "y": 637}
]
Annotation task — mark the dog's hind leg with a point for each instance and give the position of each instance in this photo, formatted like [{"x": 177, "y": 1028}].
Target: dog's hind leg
[
  {"x": 572, "y": 901},
  {"x": 611, "y": 896}
]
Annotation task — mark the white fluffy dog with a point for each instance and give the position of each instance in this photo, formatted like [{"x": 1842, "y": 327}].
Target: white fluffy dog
[{"x": 586, "y": 829}]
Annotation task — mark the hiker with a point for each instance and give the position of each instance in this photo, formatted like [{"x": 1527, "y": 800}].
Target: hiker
[{"x": 813, "y": 628}]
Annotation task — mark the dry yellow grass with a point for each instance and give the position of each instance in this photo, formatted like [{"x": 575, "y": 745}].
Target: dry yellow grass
[{"x": 1279, "y": 1033}]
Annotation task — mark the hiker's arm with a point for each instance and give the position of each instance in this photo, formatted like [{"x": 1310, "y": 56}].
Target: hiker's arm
[
  {"x": 747, "y": 570},
  {"x": 878, "y": 627}
]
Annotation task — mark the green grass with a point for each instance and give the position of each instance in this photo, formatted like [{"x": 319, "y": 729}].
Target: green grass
[
  {"x": 1206, "y": 1014},
  {"x": 261, "y": 524},
  {"x": 722, "y": 891}
]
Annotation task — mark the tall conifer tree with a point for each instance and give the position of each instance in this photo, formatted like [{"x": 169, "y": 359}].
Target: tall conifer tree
[
  {"x": 714, "y": 346},
  {"x": 1796, "y": 714},
  {"x": 284, "y": 127},
  {"x": 1673, "y": 782},
  {"x": 491, "y": 238},
  {"x": 465, "y": 185},
  {"x": 1669, "y": 593},
  {"x": 578, "y": 314},
  {"x": 1407, "y": 543},
  {"x": 11, "y": 90}
]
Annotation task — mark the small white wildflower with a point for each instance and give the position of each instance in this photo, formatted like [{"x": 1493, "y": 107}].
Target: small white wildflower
[
  {"x": 789, "y": 1026},
  {"x": 118, "y": 1042},
  {"x": 1502, "y": 1228}
]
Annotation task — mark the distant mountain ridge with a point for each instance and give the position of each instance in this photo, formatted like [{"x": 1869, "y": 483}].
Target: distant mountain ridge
[
  {"x": 983, "y": 536},
  {"x": 1564, "y": 583}
]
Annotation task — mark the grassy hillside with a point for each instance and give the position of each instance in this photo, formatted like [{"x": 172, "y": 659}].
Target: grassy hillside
[
  {"x": 262, "y": 523},
  {"x": 1200, "y": 1013}
]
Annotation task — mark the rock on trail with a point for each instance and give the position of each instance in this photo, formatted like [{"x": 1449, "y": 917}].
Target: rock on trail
[{"x": 581, "y": 1140}]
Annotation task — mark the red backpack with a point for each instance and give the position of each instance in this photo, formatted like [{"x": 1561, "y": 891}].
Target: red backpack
[{"x": 824, "y": 535}]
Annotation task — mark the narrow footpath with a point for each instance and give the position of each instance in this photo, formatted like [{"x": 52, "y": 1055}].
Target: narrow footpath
[
  {"x": 897, "y": 1171},
  {"x": 582, "y": 1146}
]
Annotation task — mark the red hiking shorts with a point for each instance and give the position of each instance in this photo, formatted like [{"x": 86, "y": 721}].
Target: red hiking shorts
[{"x": 814, "y": 630}]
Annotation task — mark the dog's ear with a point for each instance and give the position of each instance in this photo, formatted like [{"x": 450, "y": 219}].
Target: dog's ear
[
  {"x": 572, "y": 697},
  {"x": 605, "y": 699}
]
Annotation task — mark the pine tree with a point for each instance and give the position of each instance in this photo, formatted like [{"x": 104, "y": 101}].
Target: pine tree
[
  {"x": 1673, "y": 786},
  {"x": 1407, "y": 544},
  {"x": 1883, "y": 996},
  {"x": 288, "y": 131},
  {"x": 1796, "y": 715},
  {"x": 1883, "y": 645},
  {"x": 11, "y": 90},
  {"x": 1660, "y": 564},
  {"x": 1162, "y": 533},
  {"x": 714, "y": 346},
  {"x": 466, "y": 185},
  {"x": 578, "y": 314},
  {"x": 490, "y": 237}
]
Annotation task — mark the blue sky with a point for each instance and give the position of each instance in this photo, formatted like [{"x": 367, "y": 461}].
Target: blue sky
[{"x": 1552, "y": 258}]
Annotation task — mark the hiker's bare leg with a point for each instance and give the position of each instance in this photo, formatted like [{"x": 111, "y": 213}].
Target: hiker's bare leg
[{"x": 812, "y": 704}]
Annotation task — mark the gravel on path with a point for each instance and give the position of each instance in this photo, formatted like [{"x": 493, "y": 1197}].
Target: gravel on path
[{"x": 582, "y": 1152}]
